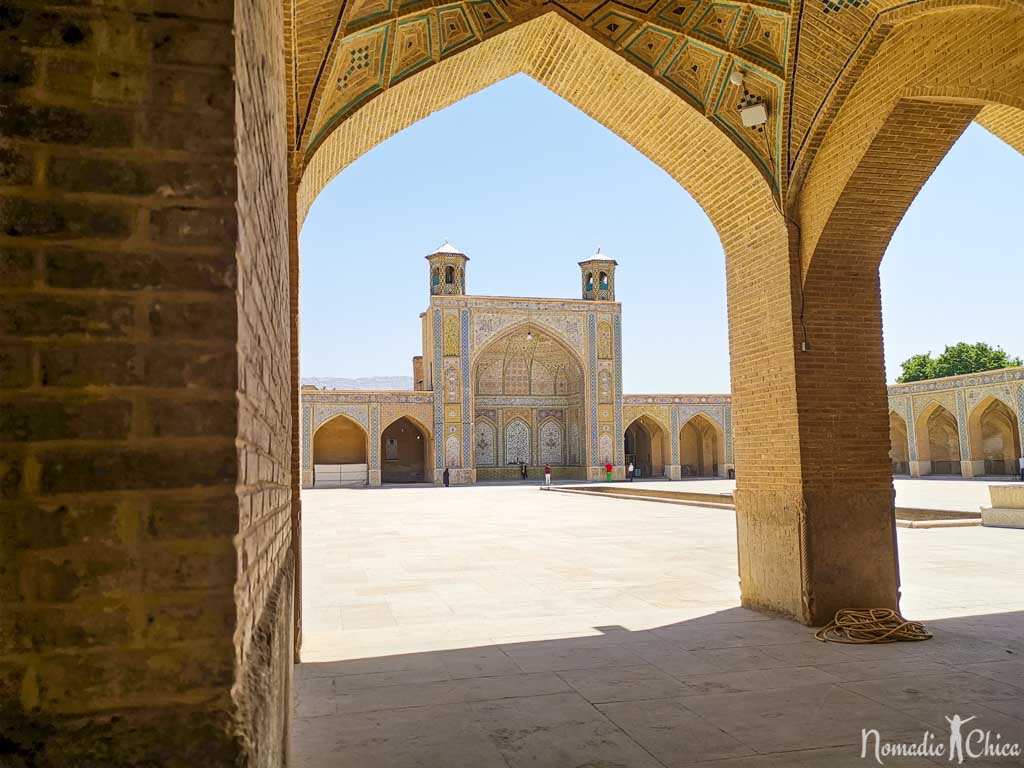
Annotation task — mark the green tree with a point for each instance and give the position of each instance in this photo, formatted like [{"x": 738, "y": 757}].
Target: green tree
[
  {"x": 956, "y": 360},
  {"x": 917, "y": 368}
]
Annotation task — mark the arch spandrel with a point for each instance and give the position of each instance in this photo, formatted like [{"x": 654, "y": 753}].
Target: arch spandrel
[
  {"x": 923, "y": 414},
  {"x": 419, "y": 416},
  {"x": 978, "y": 400},
  {"x": 357, "y": 413},
  {"x": 687, "y": 416},
  {"x": 630, "y": 417}
]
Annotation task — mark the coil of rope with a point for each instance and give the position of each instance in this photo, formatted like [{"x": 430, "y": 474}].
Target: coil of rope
[{"x": 874, "y": 625}]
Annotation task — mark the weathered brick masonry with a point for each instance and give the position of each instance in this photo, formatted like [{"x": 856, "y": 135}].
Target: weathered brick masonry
[{"x": 144, "y": 526}]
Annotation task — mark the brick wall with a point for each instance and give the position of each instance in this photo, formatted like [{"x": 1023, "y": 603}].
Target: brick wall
[
  {"x": 264, "y": 589},
  {"x": 141, "y": 354}
]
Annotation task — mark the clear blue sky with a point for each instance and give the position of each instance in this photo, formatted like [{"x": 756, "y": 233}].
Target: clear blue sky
[{"x": 527, "y": 186}]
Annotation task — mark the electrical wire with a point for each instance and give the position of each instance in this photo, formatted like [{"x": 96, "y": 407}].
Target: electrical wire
[{"x": 799, "y": 233}]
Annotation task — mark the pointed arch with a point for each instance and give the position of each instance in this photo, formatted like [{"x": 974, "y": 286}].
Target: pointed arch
[
  {"x": 551, "y": 441},
  {"x": 993, "y": 430},
  {"x": 406, "y": 450},
  {"x": 648, "y": 445},
  {"x": 485, "y": 442},
  {"x": 696, "y": 152},
  {"x": 938, "y": 440},
  {"x": 517, "y": 442},
  {"x": 521, "y": 327},
  {"x": 509, "y": 354},
  {"x": 340, "y": 451},
  {"x": 701, "y": 446},
  {"x": 416, "y": 421}
]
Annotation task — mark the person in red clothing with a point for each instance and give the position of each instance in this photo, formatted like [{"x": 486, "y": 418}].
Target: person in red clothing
[{"x": 547, "y": 474}]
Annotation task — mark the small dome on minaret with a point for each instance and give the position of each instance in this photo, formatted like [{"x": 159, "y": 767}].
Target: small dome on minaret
[
  {"x": 598, "y": 274},
  {"x": 447, "y": 271}
]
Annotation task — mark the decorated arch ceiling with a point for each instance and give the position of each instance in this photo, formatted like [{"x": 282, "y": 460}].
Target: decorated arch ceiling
[
  {"x": 519, "y": 365},
  {"x": 799, "y": 56}
]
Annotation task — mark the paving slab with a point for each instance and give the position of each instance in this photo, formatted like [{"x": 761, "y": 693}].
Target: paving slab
[{"x": 503, "y": 626}]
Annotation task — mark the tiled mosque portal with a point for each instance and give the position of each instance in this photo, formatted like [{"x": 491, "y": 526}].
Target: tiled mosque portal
[{"x": 508, "y": 384}]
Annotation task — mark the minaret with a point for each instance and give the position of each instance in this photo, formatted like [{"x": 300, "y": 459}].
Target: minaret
[
  {"x": 447, "y": 271},
  {"x": 598, "y": 273}
]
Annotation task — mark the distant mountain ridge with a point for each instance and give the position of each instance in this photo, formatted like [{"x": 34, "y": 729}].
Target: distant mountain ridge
[{"x": 367, "y": 383}]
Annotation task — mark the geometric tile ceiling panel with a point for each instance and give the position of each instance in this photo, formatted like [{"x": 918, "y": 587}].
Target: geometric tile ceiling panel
[
  {"x": 581, "y": 9},
  {"x": 364, "y": 10},
  {"x": 835, "y": 6},
  {"x": 414, "y": 47},
  {"x": 804, "y": 71},
  {"x": 650, "y": 45},
  {"x": 678, "y": 13},
  {"x": 718, "y": 21},
  {"x": 693, "y": 70},
  {"x": 489, "y": 18},
  {"x": 358, "y": 72},
  {"x": 614, "y": 25},
  {"x": 456, "y": 31},
  {"x": 765, "y": 37},
  {"x": 336, "y": 71},
  {"x": 333, "y": 71},
  {"x": 763, "y": 144}
]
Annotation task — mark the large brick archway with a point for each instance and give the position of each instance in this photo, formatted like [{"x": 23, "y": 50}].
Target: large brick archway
[{"x": 156, "y": 165}]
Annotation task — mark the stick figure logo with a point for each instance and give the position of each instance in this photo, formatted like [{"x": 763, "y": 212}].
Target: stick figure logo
[{"x": 956, "y": 739}]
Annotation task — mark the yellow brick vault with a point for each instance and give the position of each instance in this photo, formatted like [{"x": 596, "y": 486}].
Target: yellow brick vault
[{"x": 157, "y": 159}]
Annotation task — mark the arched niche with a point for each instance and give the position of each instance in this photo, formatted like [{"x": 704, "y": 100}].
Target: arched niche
[
  {"x": 938, "y": 441},
  {"x": 648, "y": 446},
  {"x": 994, "y": 436},
  {"x": 528, "y": 360},
  {"x": 701, "y": 447},
  {"x": 405, "y": 451},
  {"x": 340, "y": 450}
]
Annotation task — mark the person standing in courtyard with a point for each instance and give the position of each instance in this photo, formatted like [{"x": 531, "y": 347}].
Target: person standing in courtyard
[
  {"x": 522, "y": 470},
  {"x": 630, "y": 470},
  {"x": 1020, "y": 461},
  {"x": 547, "y": 474},
  {"x": 446, "y": 477}
]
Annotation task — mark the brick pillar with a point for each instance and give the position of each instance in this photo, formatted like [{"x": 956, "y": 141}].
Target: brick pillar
[
  {"x": 144, "y": 450},
  {"x": 814, "y": 498}
]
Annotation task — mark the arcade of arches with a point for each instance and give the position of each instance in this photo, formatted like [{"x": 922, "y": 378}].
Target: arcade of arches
[
  {"x": 961, "y": 425},
  {"x": 158, "y": 163}
]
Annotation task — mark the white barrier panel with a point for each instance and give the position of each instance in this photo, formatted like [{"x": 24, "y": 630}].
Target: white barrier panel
[{"x": 339, "y": 475}]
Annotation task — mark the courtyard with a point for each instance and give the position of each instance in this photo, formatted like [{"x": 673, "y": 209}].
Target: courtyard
[{"x": 504, "y": 626}]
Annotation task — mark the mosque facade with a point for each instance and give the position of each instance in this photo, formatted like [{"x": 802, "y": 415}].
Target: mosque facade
[{"x": 512, "y": 383}]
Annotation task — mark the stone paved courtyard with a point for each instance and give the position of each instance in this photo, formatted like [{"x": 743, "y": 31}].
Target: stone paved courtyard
[{"x": 503, "y": 626}]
